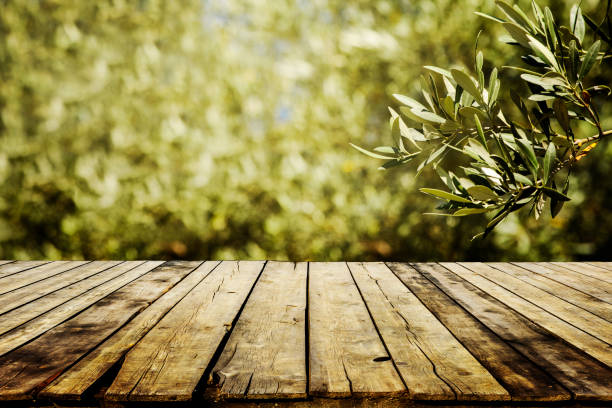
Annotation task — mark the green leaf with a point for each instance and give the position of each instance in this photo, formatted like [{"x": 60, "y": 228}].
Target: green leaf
[
  {"x": 469, "y": 211},
  {"x": 543, "y": 52},
  {"x": 371, "y": 154},
  {"x": 398, "y": 161},
  {"x": 589, "y": 59},
  {"x": 541, "y": 98},
  {"x": 448, "y": 106},
  {"x": 438, "y": 70},
  {"x": 408, "y": 101},
  {"x": 514, "y": 15},
  {"x": 474, "y": 147},
  {"x": 395, "y": 132},
  {"x": 537, "y": 12},
  {"x": 385, "y": 149},
  {"x": 444, "y": 195},
  {"x": 497, "y": 219},
  {"x": 524, "y": 18},
  {"x": 552, "y": 193},
  {"x": 449, "y": 127},
  {"x": 562, "y": 115},
  {"x": 545, "y": 82},
  {"x": 574, "y": 61},
  {"x": 479, "y": 61},
  {"x": 497, "y": 20},
  {"x": 551, "y": 32},
  {"x": 555, "y": 207},
  {"x": 517, "y": 33},
  {"x": 466, "y": 82},
  {"x": 577, "y": 22},
  {"x": 436, "y": 154},
  {"x": 410, "y": 133},
  {"x": 522, "y": 179},
  {"x": 549, "y": 161},
  {"x": 469, "y": 112},
  {"x": 528, "y": 153},
  {"x": 422, "y": 116},
  {"x": 480, "y": 132},
  {"x": 482, "y": 193},
  {"x": 494, "y": 85}
]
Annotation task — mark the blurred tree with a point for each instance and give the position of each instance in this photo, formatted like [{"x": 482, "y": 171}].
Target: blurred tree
[{"x": 202, "y": 129}]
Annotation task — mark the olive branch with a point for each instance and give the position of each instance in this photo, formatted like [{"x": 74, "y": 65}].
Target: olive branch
[{"x": 508, "y": 163}]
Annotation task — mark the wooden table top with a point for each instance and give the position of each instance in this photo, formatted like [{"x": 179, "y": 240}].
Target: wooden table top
[{"x": 267, "y": 333}]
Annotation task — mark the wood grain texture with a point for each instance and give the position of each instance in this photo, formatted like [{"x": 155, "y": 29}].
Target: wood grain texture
[
  {"x": 586, "y": 302},
  {"x": 10, "y": 268},
  {"x": 75, "y": 382},
  {"x": 584, "y": 376},
  {"x": 36, "y": 274},
  {"x": 579, "y": 338},
  {"x": 15, "y": 336},
  {"x": 583, "y": 283},
  {"x": 35, "y": 308},
  {"x": 433, "y": 364},
  {"x": 605, "y": 265},
  {"x": 23, "y": 295},
  {"x": 31, "y": 367},
  {"x": 347, "y": 356},
  {"x": 524, "y": 380},
  {"x": 567, "y": 312},
  {"x": 265, "y": 356},
  {"x": 170, "y": 360},
  {"x": 588, "y": 270}
]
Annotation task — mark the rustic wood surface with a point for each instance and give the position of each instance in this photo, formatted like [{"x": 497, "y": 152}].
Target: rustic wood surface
[
  {"x": 170, "y": 360},
  {"x": 347, "y": 356},
  {"x": 583, "y": 283},
  {"x": 433, "y": 364},
  {"x": 543, "y": 317},
  {"x": 265, "y": 356},
  {"x": 255, "y": 333},
  {"x": 10, "y": 267}
]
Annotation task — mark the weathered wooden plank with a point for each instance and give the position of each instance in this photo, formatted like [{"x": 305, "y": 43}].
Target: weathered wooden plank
[
  {"x": 36, "y": 274},
  {"x": 169, "y": 361},
  {"x": 29, "y": 368},
  {"x": 23, "y": 295},
  {"x": 5, "y": 261},
  {"x": 524, "y": 380},
  {"x": 265, "y": 356},
  {"x": 22, "y": 314},
  {"x": 18, "y": 266},
  {"x": 583, "y": 283},
  {"x": 605, "y": 265},
  {"x": 588, "y": 270},
  {"x": 75, "y": 382},
  {"x": 572, "y": 314},
  {"x": 347, "y": 356},
  {"x": 580, "y": 339},
  {"x": 584, "y": 376},
  {"x": 571, "y": 295},
  {"x": 433, "y": 364},
  {"x": 24, "y": 333}
]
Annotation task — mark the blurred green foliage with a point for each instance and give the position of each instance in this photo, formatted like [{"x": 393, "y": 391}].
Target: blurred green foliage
[{"x": 207, "y": 129}]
